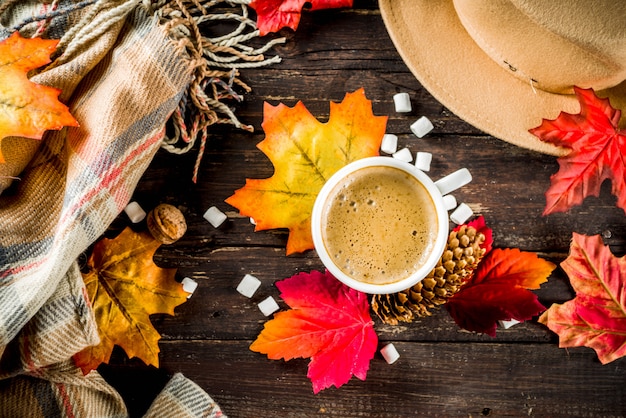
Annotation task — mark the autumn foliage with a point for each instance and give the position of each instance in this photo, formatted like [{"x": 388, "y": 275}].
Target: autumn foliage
[
  {"x": 328, "y": 322},
  {"x": 499, "y": 289},
  {"x": 597, "y": 152},
  {"x": 305, "y": 153},
  {"x": 28, "y": 109},
  {"x": 596, "y": 317},
  {"x": 125, "y": 287},
  {"x": 273, "y": 15}
]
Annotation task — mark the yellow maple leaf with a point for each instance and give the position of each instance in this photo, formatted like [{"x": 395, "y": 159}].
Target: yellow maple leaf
[
  {"x": 125, "y": 287},
  {"x": 305, "y": 153},
  {"x": 28, "y": 109}
]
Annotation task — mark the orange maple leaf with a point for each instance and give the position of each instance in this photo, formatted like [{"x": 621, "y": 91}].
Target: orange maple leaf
[
  {"x": 125, "y": 287},
  {"x": 28, "y": 109},
  {"x": 305, "y": 153},
  {"x": 596, "y": 317}
]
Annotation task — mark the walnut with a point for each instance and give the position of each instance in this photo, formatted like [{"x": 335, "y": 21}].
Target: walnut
[{"x": 166, "y": 223}]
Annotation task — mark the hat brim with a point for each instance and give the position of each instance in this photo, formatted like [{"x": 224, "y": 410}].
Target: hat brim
[{"x": 451, "y": 66}]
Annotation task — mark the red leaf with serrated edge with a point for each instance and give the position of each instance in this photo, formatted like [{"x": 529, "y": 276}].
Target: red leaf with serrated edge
[
  {"x": 273, "y": 15},
  {"x": 596, "y": 317},
  {"x": 329, "y": 322},
  {"x": 498, "y": 291},
  {"x": 597, "y": 152}
]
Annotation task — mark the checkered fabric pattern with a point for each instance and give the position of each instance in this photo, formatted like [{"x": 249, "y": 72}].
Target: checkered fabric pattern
[{"x": 121, "y": 87}]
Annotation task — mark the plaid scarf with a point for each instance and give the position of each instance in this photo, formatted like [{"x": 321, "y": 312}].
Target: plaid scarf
[{"x": 123, "y": 73}]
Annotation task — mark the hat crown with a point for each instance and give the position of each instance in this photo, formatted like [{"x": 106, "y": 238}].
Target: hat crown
[{"x": 553, "y": 45}]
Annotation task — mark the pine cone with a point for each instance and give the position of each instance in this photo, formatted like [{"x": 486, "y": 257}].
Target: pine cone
[{"x": 460, "y": 258}]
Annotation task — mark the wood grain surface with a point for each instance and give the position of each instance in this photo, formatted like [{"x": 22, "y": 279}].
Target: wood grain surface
[{"x": 443, "y": 371}]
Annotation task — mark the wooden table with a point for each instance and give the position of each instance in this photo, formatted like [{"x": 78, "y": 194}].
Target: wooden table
[{"x": 443, "y": 370}]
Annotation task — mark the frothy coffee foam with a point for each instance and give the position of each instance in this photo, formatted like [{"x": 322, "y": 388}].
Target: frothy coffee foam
[{"x": 379, "y": 224}]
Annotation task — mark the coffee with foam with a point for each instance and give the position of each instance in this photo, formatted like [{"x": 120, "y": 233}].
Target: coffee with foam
[{"x": 379, "y": 224}]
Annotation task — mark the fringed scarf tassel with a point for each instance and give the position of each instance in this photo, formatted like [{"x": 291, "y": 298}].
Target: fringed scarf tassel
[{"x": 216, "y": 62}]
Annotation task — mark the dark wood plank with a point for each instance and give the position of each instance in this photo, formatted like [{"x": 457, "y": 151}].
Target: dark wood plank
[{"x": 429, "y": 379}]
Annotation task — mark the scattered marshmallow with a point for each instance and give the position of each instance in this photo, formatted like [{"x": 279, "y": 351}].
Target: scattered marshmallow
[
  {"x": 248, "y": 285},
  {"x": 189, "y": 286},
  {"x": 215, "y": 216},
  {"x": 402, "y": 102},
  {"x": 390, "y": 354},
  {"x": 461, "y": 214},
  {"x": 389, "y": 144},
  {"x": 453, "y": 181},
  {"x": 403, "y": 155},
  {"x": 422, "y": 126},
  {"x": 135, "y": 213},
  {"x": 268, "y": 306},
  {"x": 508, "y": 324},
  {"x": 449, "y": 201},
  {"x": 423, "y": 160}
]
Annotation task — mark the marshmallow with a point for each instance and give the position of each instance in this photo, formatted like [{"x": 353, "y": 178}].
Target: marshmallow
[
  {"x": 402, "y": 102},
  {"x": 453, "y": 181},
  {"x": 508, "y": 324},
  {"x": 248, "y": 285},
  {"x": 449, "y": 202},
  {"x": 389, "y": 353},
  {"x": 421, "y": 126},
  {"x": 403, "y": 155},
  {"x": 461, "y": 214},
  {"x": 189, "y": 286},
  {"x": 215, "y": 216},
  {"x": 252, "y": 221},
  {"x": 389, "y": 144},
  {"x": 268, "y": 306},
  {"x": 423, "y": 160},
  {"x": 135, "y": 213}
]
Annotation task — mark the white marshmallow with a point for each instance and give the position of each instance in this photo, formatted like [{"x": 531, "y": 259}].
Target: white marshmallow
[
  {"x": 508, "y": 324},
  {"x": 134, "y": 212},
  {"x": 423, "y": 160},
  {"x": 268, "y": 306},
  {"x": 389, "y": 353},
  {"x": 214, "y": 216},
  {"x": 449, "y": 202},
  {"x": 402, "y": 102},
  {"x": 248, "y": 285},
  {"x": 389, "y": 145},
  {"x": 461, "y": 214},
  {"x": 252, "y": 221},
  {"x": 403, "y": 155},
  {"x": 189, "y": 286},
  {"x": 422, "y": 126},
  {"x": 453, "y": 181}
]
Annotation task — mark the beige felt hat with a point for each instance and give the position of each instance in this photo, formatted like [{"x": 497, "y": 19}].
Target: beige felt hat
[{"x": 504, "y": 65}]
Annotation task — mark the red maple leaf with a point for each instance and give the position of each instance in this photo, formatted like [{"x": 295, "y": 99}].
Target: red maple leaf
[
  {"x": 329, "y": 322},
  {"x": 498, "y": 291},
  {"x": 597, "y": 152},
  {"x": 273, "y": 15},
  {"x": 596, "y": 317}
]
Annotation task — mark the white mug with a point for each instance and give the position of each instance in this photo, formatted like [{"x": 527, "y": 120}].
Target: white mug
[{"x": 429, "y": 258}]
